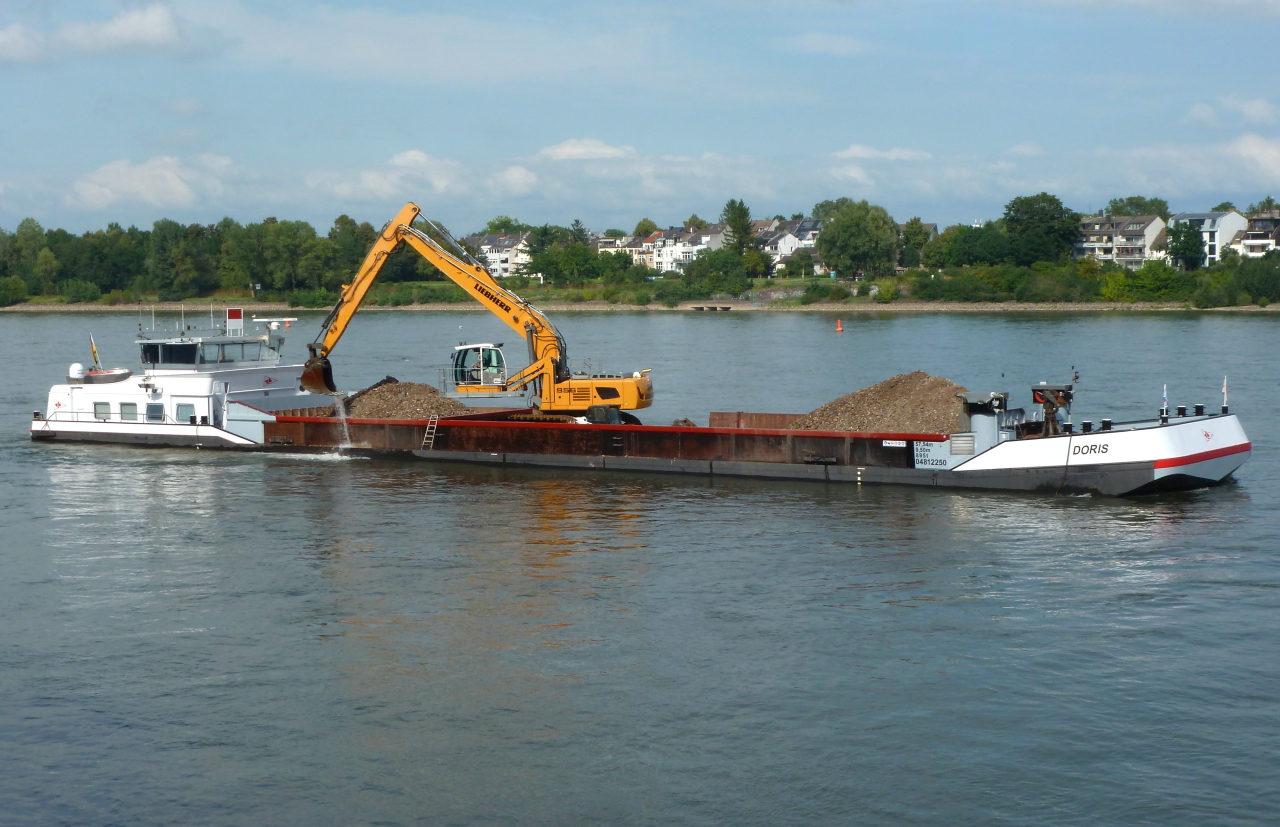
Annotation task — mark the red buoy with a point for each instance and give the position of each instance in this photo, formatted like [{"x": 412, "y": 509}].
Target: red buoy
[{"x": 839, "y": 327}]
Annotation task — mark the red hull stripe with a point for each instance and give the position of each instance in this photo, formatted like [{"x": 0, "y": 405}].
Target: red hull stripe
[{"x": 1176, "y": 462}]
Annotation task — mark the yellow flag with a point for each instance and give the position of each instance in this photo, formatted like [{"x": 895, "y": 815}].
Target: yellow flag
[{"x": 94, "y": 348}]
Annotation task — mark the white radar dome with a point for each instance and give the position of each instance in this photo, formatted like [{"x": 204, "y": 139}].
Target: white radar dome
[{"x": 76, "y": 371}]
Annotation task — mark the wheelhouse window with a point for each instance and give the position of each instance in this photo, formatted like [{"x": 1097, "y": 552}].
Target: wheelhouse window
[
  {"x": 155, "y": 412},
  {"x": 186, "y": 413},
  {"x": 102, "y": 410},
  {"x": 128, "y": 412},
  {"x": 208, "y": 353},
  {"x": 178, "y": 354},
  {"x": 150, "y": 354}
]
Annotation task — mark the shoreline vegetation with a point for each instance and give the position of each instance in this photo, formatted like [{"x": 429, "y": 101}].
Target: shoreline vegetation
[
  {"x": 855, "y": 259},
  {"x": 196, "y": 307}
]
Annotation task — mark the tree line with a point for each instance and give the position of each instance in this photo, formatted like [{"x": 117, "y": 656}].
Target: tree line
[
  {"x": 172, "y": 261},
  {"x": 1025, "y": 254}
]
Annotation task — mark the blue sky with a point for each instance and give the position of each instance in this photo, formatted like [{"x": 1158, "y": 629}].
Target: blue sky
[{"x": 610, "y": 112}]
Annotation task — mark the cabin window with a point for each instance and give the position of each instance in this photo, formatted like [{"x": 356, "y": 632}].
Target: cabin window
[
  {"x": 102, "y": 410},
  {"x": 150, "y": 354},
  {"x": 251, "y": 351},
  {"x": 178, "y": 354},
  {"x": 209, "y": 353},
  {"x": 128, "y": 412},
  {"x": 230, "y": 353},
  {"x": 186, "y": 413},
  {"x": 155, "y": 412}
]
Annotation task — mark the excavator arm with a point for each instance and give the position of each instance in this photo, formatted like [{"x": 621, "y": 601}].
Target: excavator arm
[{"x": 548, "y": 372}]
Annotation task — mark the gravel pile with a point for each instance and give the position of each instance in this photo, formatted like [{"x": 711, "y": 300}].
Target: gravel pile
[
  {"x": 908, "y": 403},
  {"x": 391, "y": 399}
]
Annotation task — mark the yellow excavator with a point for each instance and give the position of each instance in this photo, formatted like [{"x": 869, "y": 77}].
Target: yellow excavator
[{"x": 481, "y": 369}]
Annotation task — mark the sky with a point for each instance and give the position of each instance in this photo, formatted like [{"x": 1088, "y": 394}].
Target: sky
[{"x": 609, "y": 112}]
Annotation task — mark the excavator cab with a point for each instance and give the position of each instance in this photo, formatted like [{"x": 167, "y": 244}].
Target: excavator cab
[{"x": 480, "y": 365}]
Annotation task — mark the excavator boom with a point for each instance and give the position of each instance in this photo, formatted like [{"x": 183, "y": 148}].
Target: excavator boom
[{"x": 547, "y": 375}]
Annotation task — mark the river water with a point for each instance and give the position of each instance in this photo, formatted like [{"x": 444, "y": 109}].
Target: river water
[{"x": 214, "y": 638}]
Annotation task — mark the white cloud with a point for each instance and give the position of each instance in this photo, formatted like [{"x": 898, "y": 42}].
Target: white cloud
[
  {"x": 18, "y": 44},
  {"x": 162, "y": 181},
  {"x": 1201, "y": 113},
  {"x": 1255, "y": 111},
  {"x": 1209, "y": 7},
  {"x": 151, "y": 28},
  {"x": 823, "y": 43},
  {"x": 1259, "y": 153},
  {"x": 514, "y": 180},
  {"x": 336, "y": 39},
  {"x": 853, "y": 172},
  {"x": 406, "y": 174},
  {"x": 154, "y": 29},
  {"x": 580, "y": 149},
  {"x": 186, "y": 106},
  {"x": 896, "y": 154},
  {"x": 1026, "y": 149}
]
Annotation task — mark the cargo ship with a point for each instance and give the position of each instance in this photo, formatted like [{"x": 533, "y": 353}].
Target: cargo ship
[{"x": 1001, "y": 449}]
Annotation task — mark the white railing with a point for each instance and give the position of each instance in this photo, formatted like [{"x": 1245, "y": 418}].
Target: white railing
[{"x": 89, "y": 416}]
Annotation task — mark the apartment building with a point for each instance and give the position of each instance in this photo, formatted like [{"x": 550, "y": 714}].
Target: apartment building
[
  {"x": 1127, "y": 240},
  {"x": 1261, "y": 236},
  {"x": 1218, "y": 229},
  {"x": 504, "y": 254}
]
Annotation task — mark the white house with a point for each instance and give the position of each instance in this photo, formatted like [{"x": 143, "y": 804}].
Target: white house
[
  {"x": 1128, "y": 240},
  {"x": 1260, "y": 237},
  {"x": 1217, "y": 229},
  {"x": 676, "y": 247},
  {"x": 504, "y": 254},
  {"x": 779, "y": 244}
]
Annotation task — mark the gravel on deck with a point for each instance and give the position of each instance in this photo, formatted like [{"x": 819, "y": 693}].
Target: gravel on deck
[
  {"x": 910, "y": 403},
  {"x": 391, "y": 399}
]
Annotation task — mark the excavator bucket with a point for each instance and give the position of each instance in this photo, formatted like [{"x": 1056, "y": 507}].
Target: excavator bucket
[{"x": 317, "y": 376}]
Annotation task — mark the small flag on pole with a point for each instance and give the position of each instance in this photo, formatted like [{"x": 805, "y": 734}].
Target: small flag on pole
[{"x": 94, "y": 347}]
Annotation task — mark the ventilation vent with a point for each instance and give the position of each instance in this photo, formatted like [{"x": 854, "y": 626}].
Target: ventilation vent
[{"x": 962, "y": 444}]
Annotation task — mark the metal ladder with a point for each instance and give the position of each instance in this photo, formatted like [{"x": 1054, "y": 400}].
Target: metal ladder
[{"x": 429, "y": 438}]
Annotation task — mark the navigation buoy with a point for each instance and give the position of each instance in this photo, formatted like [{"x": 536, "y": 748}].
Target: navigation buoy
[{"x": 839, "y": 326}]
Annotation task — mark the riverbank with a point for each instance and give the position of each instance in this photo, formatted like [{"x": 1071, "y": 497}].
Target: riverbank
[{"x": 706, "y": 306}]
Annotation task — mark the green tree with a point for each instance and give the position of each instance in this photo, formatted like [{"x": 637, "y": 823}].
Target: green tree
[
  {"x": 1046, "y": 213},
  {"x": 860, "y": 236},
  {"x": 503, "y": 225},
  {"x": 611, "y": 233},
  {"x": 578, "y": 232},
  {"x": 12, "y": 290},
  {"x": 1186, "y": 245},
  {"x": 353, "y": 241},
  {"x": 644, "y": 227},
  {"x": 46, "y": 268},
  {"x": 716, "y": 271},
  {"x": 165, "y": 235},
  {"x": 1137, "y": 205},
  {"x": 1264, "y": 205},
  {"x": 914, "y": 233},
  {"x": 937, "y": 250},
  {"x": 28, "y": 241},
  {"x": 736, "y": 215},
  {"x": 1225, "y": 206},
  {"x": 693, "y": 222},
  {"x": 797, "y": 216},
  {"x": 825, "y": 209},
  {"x": 978, "y": 246}
]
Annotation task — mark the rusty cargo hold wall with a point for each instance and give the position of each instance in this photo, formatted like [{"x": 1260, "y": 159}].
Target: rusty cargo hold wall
[{"x": 490, "y": 434}]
